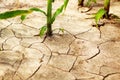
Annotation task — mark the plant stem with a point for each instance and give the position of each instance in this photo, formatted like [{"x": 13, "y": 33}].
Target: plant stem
[
  {"x": 80, "y": 2},
  {"x": 49, "y": 16},
  {"x": 107, "y": 8}
]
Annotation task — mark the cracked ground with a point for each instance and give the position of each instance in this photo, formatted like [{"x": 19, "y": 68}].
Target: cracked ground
[{"x": 82, "y": 52}]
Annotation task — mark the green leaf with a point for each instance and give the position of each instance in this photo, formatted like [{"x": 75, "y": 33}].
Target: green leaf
[
  {"x": 10, "y": 14},
  {"x": 99, "y": 15},
  {"x": 57, "y": 12},
  {"x": 38, "y": 10},
  {"x": 65, "y": 4},
  {"x": 23, "y": 17},
  {"x": 43, "y": 31}
]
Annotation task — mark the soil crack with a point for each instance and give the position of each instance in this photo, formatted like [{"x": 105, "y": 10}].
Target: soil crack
[{"x": 106, "y": 76}]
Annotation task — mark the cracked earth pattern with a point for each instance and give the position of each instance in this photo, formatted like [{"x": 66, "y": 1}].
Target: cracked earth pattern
[{"x": 81, "y": 53}]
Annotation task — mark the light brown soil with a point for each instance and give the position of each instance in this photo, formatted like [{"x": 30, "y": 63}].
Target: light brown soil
[{"x": 82, "y": 53}]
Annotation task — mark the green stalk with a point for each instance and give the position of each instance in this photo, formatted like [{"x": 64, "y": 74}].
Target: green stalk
[
  {"x": 80, "y": 2},
  {"x": 107, "y": 8},
  {"x": 49, "y": 16}
]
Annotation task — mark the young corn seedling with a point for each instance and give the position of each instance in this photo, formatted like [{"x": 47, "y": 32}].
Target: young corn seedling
[
  {"x": 49, "y": 15},
  {"x": 98, "y": 16},
  {"x": 103, "y": 12}
]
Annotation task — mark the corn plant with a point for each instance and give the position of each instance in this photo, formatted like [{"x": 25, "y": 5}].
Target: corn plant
[
  {"x": 99, "y": 15},
  {"x": 50, "y": 17},
  {"x": 103, "y": 12}
]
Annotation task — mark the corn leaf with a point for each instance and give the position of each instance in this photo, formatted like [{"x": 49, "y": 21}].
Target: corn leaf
[
  {"x": 57, "y": 12},
  {"x": 11, "y": 14},
  {"x": 38, "y": 10},
  {"x": 99, "y": 15},
  {"x": 65, "y": 4},
  {"x": 43, "y": 31},
  {"x": 23, "y": 17}
]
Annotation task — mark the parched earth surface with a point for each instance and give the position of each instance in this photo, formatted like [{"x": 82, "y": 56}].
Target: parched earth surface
[{"x": 82, "y": 52}]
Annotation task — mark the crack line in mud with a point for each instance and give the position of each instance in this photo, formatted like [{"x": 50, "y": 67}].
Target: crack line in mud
[
  {"x": 5, "y": 63},
  {"x": 99, "y": 51},
  {"x": 75, "y": 36},
  {"x": 4, "y": 28},
  {"x": 84, "y": 32},
  {"x": 50, "y": 53},
  {"x": 90, "y": 8},
  {"x": 101, "y": 69},
  {"x": 83, "y": 39},
  {"x": 73, "y": 64},
  {"x": 15, "y": 34},
  {"x": 36, "y": 49},
  {"x": 36, "y": 69},
  {"x": 23, "y": 56},
  {"x": 34, "y": 72},
  {"x": 110, "y": 75},
  {"x": 32, "y": 44},
  {"x": 28, "y": 26},
  {"x": 95, "y": 73},
  {"x": 89, "y": 78},
  {"x": 98, "y": 47},
  {"x": 70, "y": 33},
  {"x": 2, "y": 48},
  {"x": 70, "y": 47},
  {"x": 44, "y": 39},
  {"x": 58, "y": 68},
  {"x": 100, "y": 33},
  {"x": 21, "y": 37}
]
